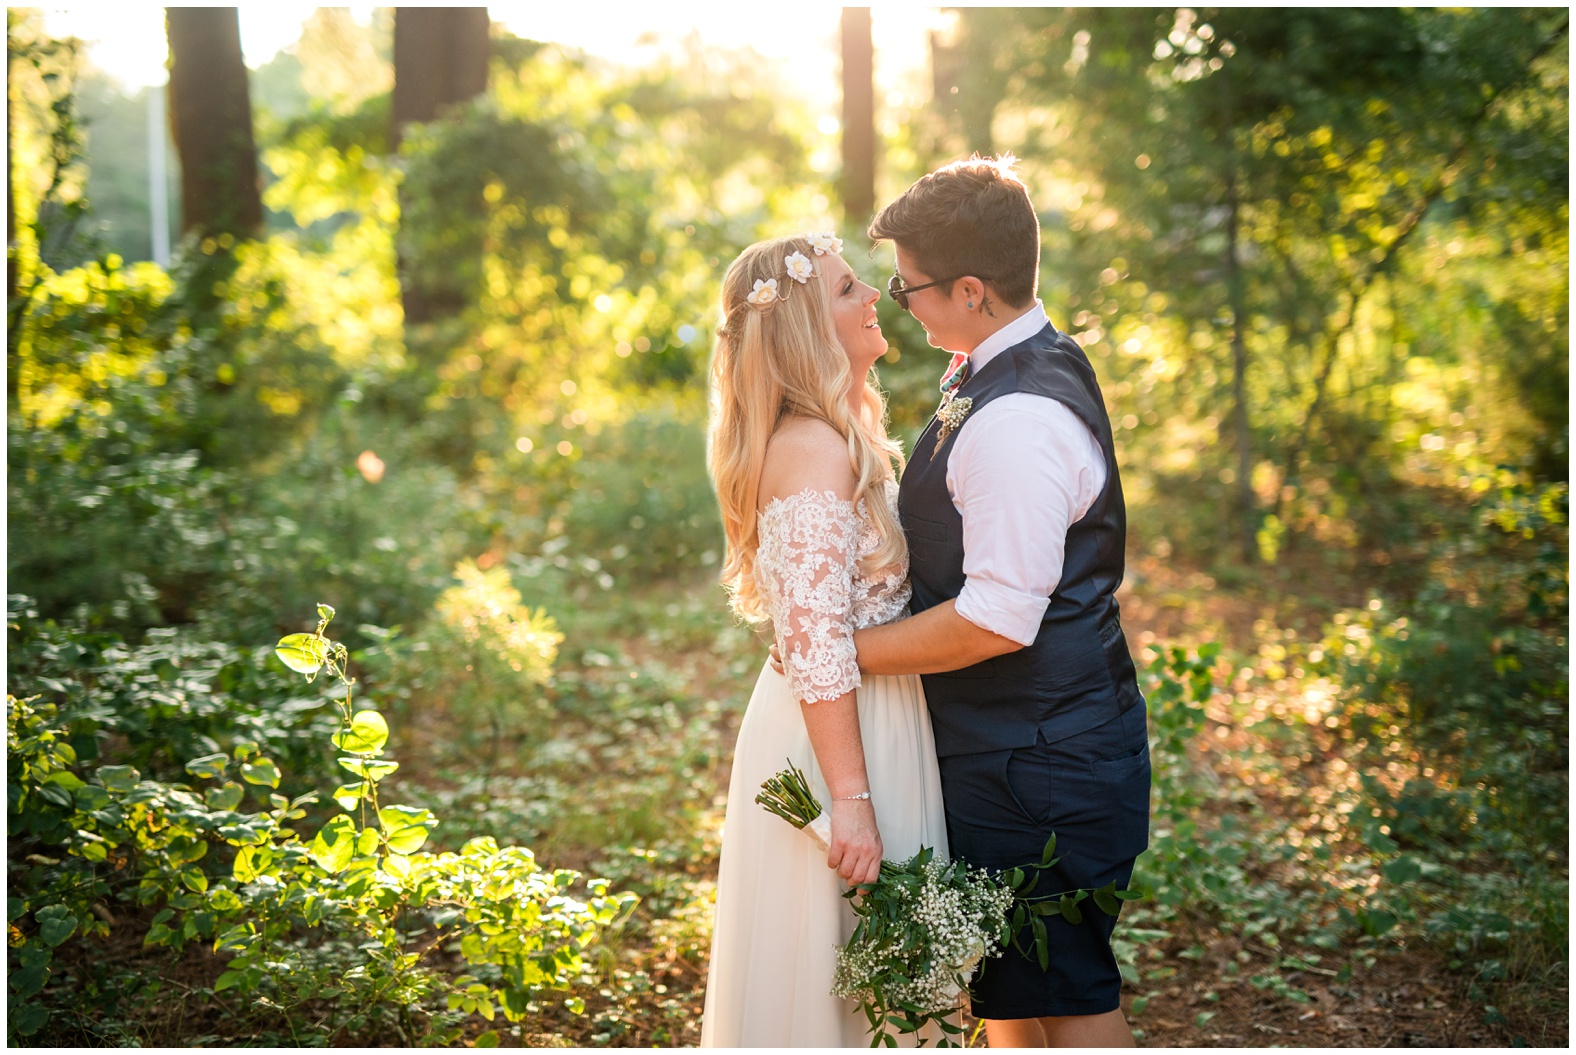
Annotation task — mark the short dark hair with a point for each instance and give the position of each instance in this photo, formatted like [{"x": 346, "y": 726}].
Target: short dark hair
[{"x": 971, "y": 217}]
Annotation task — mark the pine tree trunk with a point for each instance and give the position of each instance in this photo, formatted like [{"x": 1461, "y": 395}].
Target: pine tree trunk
[
  {"x": 440, "y": 59},
  {"x": 859, "y": 117},
  {"x": 211, "y": 119},
  {"x": 1247, "y": 506}
]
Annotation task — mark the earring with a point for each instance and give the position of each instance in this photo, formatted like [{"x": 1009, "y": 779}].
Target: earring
[{"x": 971, "y": 305}]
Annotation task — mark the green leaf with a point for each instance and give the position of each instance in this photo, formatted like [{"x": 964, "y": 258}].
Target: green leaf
[
  {"x": 28, "y": 1019},
  {"x": 514, "y": 1001},
  {"x": 34, "y": 954},
  {"x": 1105, "y": 897},
  {"x": 1376, "y": 922},
  {"x": 1070, "y": 910},
  {"x": 251, "y": 862},
  {"x": 325, "y": 612},
  {"x": 194, "y": 880},
  {"x": 223, "y": 899},
  {"x": 224, "y": 798},
  {"x": 367, "y": 842},
  {"x": 1049, "y": 852},
  {"x": 575, "y": 1005},
  {"x": 210, "y": 766},
  {"x": 69, "y": 781},
  {"x": 263, "y": 771},
  {"x": 118, "y": 778},
  {"x": 367, "y": 734},
  {"x": 228, "y": 979},
  {"x": 488, "y": 1039},
  {"x": 335, "y": 844},
  {"x": 29, "y": 981},
  {"x": 369, "y": 769},
  {"x": 56, "y": 928},
  {"x": 91, "y": 797},
  {"x": 303, "y": 653},
  {"x": 350, "y": 794},
  {"x": 1042, "y": 944},
  {"x": 238, "y": 938},
  {"x": 405, "y": 827},
  {"x": 1403, "y": 869},
  {"x": 185, "y": 850}
]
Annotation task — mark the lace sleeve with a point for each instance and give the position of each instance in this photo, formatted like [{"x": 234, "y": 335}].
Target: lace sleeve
[{"x": 808, "y": 552}]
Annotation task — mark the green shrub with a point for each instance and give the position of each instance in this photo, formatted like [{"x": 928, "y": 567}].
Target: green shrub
[
  {"x": 375, "y": 903},
  {"x": 641, "y": 501}
]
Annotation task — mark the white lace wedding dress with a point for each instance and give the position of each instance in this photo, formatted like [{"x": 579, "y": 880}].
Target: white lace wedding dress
[{"x": 780, "y": 910}]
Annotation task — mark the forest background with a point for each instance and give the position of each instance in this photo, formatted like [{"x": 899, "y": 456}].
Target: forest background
[{"x": 430, "y": 348}]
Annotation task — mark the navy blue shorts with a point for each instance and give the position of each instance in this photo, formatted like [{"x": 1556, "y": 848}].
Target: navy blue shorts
[{"x": 1092, "y": 790}]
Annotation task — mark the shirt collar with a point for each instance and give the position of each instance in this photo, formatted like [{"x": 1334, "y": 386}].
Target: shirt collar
[{"x": 1017, "y": 331}]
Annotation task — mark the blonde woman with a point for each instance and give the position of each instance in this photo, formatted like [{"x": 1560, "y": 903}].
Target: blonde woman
[{"x": 805, "y": 477}]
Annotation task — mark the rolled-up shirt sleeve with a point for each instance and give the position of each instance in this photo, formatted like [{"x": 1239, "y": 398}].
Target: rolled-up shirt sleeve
[{"x": 1020, "y": 474}]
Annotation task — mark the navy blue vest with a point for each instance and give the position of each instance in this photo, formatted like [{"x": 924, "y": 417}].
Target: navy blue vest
[{"x": 1078, "y": 673}]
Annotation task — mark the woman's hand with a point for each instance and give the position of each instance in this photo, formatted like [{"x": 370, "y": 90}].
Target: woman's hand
[{"x": 856, "y": 843}]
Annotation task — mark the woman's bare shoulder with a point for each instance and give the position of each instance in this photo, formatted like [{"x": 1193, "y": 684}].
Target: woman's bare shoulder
[{"x": 806, "y": 454}]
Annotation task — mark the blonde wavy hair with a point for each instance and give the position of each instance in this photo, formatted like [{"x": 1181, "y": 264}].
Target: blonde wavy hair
[{"x": 776, "y": 361}]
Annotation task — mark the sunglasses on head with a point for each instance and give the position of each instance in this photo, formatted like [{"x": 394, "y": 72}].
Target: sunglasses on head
[{"x": 900, "y": 292}]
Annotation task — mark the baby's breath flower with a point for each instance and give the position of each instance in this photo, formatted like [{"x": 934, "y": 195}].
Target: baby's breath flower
[{"x": 925, "y": 955}]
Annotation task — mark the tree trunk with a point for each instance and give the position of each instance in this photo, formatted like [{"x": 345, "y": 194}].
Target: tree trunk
[
  {"x": 211, "y": 119},
  {"x": 440, "y": 60},
  {"x": 859, "y": 117},
  {"x": 10, "y": 186},
  {"x": 1247, "y": 512}
]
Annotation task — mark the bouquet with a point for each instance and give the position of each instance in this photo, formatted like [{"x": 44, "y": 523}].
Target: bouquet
[{"x": 925, "y": 925}]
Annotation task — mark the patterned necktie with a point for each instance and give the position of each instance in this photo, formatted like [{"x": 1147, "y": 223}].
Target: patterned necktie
[{"x": 957, "y": 373}]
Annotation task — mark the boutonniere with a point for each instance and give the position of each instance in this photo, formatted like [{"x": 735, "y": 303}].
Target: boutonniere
[{"x": 951, "y": 413}]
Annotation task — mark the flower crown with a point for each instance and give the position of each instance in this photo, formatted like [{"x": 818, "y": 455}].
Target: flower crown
[{"x": 796, "y": 266}]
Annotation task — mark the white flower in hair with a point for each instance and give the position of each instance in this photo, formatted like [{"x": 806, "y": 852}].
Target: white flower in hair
[
  {"x": 764, "y": 293},
  {"x": 824, "y": 242},
  {"x": 799, "y": 267}
]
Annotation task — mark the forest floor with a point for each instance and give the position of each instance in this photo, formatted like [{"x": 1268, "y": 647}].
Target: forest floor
[
  {"x": 1195, "y": 987},
  {"x": 626, "y": 777}
]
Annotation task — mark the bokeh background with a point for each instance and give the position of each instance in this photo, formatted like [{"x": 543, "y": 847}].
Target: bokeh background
[{"x": 408, "y": 311}]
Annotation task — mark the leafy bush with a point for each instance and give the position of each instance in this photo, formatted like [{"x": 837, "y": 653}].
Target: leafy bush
[
  {"x": 477, "y": 664},
  {"x": 362, "y": 880},
  {"x": 644, "y": 479},
  {"x": 170, "y": 699},
  {"x": 1474, "y": 678}
]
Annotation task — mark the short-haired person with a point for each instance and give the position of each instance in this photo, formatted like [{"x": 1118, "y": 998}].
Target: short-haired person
[{"x": 1012, "y": 507}]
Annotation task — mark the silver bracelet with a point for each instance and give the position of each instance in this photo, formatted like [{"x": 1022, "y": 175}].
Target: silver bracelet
[{"x": 851, "y": 798}]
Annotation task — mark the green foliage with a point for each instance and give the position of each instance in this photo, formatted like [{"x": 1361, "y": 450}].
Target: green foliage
[
  {"x": 643, "y": 480},
  {"x": 1291, "y": 268},
  {"x": 206, "y": 447},
  {"x": 481, "y": 659},
  {"x": 362, "y": 880},
  {"x": 173, "y": 698},
  {"x": 1475, "y": 673}
]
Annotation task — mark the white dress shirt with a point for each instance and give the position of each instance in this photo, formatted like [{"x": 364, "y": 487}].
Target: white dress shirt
[{"x": 1024, "y": 470}]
